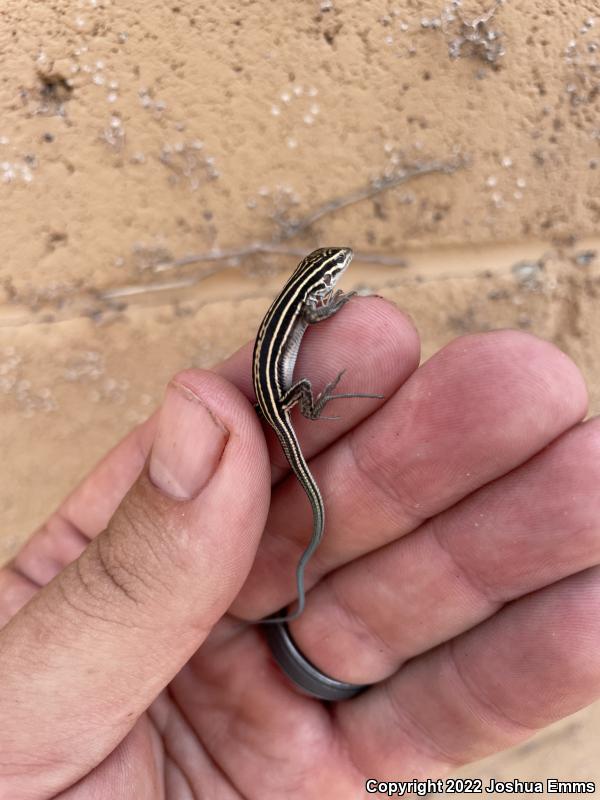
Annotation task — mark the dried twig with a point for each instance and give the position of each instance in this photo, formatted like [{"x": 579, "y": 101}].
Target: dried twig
[
  {"x": 147, "y": 288},
  {"x": 234, "y": 254},
  {"x": 258, "y": 248},
  {"x": 291, "y": 228},
  {"x": 225, "y": 255}
]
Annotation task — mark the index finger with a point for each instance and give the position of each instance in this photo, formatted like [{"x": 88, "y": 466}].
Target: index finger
[{"x": 376, "y": 345}]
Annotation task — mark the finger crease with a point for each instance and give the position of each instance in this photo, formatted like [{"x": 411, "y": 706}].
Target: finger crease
[
  {"x": 500, "y": 716},
  {"x": 478, "y": 586},
  {"x": 372, "y": 475},
  {"x": 356, "y": 619},
  {"x": 19, "y": 573},
  {"x": 408, "y": 724},
  {"x": 109, "y": 571}
]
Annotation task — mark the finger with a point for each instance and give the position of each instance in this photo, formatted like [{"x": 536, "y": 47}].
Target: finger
[
  {"x": 91, "y": 650},
  {"x": 477, "y": 409},
  {"x": 84, "y": 513},
  {"x": 371, "y": 340},
  {"x": 533, "y": 663},
  {"x": 528, "y": 529}
]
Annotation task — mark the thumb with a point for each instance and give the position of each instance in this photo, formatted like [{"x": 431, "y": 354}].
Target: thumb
[{"x": 92, "y": 649}]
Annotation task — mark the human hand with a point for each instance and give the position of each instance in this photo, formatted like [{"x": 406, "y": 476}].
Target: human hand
[{"x": 457, "y": 573}]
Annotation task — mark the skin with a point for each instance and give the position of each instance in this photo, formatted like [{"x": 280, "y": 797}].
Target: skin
[{"x": 459, "y": 572}]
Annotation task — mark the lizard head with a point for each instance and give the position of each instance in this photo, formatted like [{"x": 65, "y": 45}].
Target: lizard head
[{"x": 327, "y": 265}]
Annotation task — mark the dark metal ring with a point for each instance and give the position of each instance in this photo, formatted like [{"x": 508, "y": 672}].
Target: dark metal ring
[{"x": 300, "y": 671}]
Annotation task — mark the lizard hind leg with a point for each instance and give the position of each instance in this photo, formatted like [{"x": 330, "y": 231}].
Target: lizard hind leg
[{"x": 311, "y": 407}]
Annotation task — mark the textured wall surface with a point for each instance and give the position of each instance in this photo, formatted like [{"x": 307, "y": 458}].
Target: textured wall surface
[
  {"x": 132, "y": 135},
  {"x": 163, "y": 165}
]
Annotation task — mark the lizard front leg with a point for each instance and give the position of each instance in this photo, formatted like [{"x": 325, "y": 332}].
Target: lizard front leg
[{"x": 312, "y": 313}]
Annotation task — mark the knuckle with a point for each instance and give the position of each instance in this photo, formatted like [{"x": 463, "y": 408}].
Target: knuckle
[{"x": 132, "y": 554}]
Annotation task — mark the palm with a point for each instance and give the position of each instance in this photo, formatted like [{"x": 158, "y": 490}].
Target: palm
[{"x": 204, "y": 735}]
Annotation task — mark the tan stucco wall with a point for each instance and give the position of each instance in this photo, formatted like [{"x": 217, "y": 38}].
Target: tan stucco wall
[{"x": 163, "y": 165}]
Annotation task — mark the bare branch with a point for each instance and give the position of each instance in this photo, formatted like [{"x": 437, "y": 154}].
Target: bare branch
[
  {"x": 191, "y": 280},
  {"x": 148, "y": 288},
  {"x": 374, "y": 188}
]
